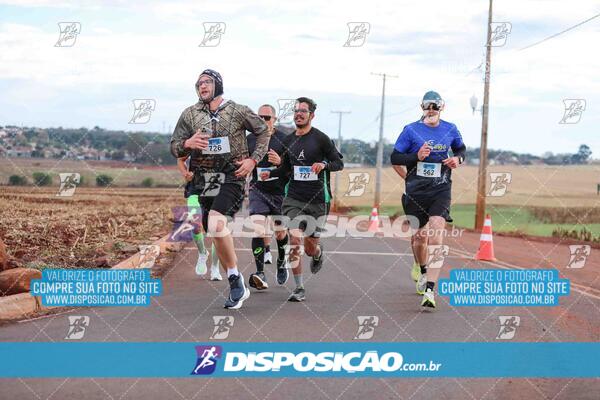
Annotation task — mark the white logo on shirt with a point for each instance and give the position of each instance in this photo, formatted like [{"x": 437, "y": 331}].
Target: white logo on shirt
[{"x": 301, "y": 156}]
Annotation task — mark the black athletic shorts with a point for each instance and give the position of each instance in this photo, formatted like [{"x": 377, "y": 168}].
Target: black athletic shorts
[
  {"x": 437, "y": 205},
  {"x": 227, "y": 201},
  {"x": 307, "y": 217},
  {"x": 262, "y": 203}
]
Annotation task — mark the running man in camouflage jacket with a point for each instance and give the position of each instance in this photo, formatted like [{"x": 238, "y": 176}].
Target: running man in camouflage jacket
[{"x": 212, "y": 133}]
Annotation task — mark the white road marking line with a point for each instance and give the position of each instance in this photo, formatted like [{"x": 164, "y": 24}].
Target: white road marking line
[
  {"x": 47, "y": 316},
  {"x": 366, "y": 253}
]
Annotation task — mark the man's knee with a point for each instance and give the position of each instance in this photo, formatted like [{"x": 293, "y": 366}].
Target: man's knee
[
  {"x": 217, "y": 224},
  {"x": 279, "y": 235},
  {"x": 296, "y": 236},
  {"x": 258, "y": 223},
  {"x": 420, "y": 238},
  {"x": 310, "y": 246},
  {"x": 436, "y": 223}
]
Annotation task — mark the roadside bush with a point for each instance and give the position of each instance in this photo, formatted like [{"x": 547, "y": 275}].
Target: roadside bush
[
  {"x": 148, "y": 182},
  {"x": 42, "y": 179},
  {"x": 582, "y": 234},
  {"x": 566, "y": 215},
  {"x": 104, "y": 180},
  {"x": 17, "y": 180}
]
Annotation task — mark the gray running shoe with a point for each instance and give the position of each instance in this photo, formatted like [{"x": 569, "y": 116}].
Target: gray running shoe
[{"x": 297, "y": 295}]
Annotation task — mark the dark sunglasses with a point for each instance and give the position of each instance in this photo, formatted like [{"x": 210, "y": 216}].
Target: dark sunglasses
[
  {"x": 265, "y": 117},
  {"x": 431, "y": 105}
]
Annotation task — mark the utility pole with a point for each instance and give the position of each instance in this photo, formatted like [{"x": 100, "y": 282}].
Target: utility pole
[
  {"x": 337, "y": 176},
  {"x": 483, "y": 154},
  {"x": 379, "y": 163}
]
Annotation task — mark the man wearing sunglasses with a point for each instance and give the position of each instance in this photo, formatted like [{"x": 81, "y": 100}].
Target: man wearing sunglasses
[
  {"x": 423, "y": 148},
  {"x": 266, "y": 198},
  {"x": 309, "y": 156},
  {"x": 212, "y": 133}
]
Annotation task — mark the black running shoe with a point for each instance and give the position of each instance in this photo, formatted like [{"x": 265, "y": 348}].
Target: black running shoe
[
  {"x": 237, "y": 292},
  {"x": 258, "y": 281},
  {"x": 316, "y": 264},
  {"x": 283, "y": 274},
  {"x": 297, "y": 295}
]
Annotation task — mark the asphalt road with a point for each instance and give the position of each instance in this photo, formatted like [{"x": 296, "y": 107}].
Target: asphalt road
[{"x": 360, "y": 277}]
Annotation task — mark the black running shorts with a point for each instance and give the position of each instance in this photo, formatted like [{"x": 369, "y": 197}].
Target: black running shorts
[
  {"x": 423, "y": 207},
  {"x": 227, "y": 202}
]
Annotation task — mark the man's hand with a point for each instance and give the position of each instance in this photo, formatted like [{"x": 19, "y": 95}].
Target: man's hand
[
  {"x": 317, "y": 167},
  {"x": 188, "y": 176},
  {"x": 265, "y": 175},
  {"x": 424, "y": 151},
  {"x": 197, "y": 142},
  {"x": 451, "y": 162},
  {"x": 274, "y": 157},
  {"x": 246, "y": 166}
]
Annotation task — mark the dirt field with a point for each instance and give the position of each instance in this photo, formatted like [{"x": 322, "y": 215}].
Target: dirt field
[
  {"x": 544, "y": 186},
  {"x": 95, "y": 228},
  {"x": 124, "y": 173}
]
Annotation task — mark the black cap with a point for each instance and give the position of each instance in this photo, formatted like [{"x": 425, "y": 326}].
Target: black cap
[{"x": 218, "y": 91}]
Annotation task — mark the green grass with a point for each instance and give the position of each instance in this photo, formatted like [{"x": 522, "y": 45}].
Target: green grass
[
  {"x": 514, "y": 219},
  {"x": 504, "y": 219}
]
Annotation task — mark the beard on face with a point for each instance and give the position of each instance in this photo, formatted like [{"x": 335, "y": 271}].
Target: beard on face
[
  {"x": 301, "y": 122},
  {"x": 433, "y": 116},
  {"x": 208, "y": 96}
]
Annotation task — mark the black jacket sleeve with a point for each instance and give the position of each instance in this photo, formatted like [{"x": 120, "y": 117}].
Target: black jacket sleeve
[
  {"x": 398, "y": 158},
  {"x": 332, "y": 156},
  {"x": 284, "y": 169},
  {"x": 460, "y": 151}
]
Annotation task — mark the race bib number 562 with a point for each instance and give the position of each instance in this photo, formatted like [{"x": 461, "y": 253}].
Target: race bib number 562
[{"x": 429, "y": 170}]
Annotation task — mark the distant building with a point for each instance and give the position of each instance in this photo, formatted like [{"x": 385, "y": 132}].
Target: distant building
[{"x": 19, "y": 151}]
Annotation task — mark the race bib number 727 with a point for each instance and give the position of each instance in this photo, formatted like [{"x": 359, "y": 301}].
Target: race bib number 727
[{"x": 302, "y": 173}]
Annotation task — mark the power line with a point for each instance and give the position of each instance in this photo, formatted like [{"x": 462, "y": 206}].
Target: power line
[{"x": 560, "y": 33}]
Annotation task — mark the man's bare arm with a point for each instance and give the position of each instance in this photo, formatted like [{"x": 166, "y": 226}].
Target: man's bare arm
[{"x": 400, "y": 170}]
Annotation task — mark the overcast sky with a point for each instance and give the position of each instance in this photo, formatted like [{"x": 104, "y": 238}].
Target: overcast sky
[{"x": 279, "y": 49}]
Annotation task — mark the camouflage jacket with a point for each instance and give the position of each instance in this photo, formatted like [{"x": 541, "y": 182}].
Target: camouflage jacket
[{"x": 231, "y": 120}]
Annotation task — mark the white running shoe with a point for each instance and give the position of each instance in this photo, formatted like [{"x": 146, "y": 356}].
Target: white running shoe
[
  {"x": 201, "y": 263},
  {"x": 428, "y": 299},
  {"x": 215, "y": 274},
  {"x": 268, "y": 258},
  {"x": 422, "y": 284},
  {"x": 415, "y": 272}
]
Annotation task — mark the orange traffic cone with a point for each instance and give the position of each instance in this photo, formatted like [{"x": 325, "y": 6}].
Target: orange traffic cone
[
  {"x": 374, "y": 222},
  {"x": 486, "y": 245}
]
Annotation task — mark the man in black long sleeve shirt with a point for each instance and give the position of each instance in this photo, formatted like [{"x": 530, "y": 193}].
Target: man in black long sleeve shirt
[
  {"x": 266, "y": 199},
  {"x": 309, "y": 154}
]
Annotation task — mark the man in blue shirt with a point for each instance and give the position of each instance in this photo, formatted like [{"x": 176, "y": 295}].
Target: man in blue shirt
[{"x": 423, "y": 148}]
